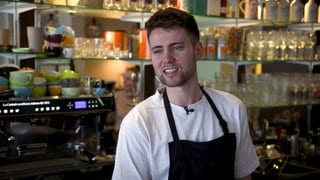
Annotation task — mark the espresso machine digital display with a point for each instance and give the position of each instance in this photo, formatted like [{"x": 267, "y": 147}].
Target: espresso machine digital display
[{"x": 80, "y": 104}]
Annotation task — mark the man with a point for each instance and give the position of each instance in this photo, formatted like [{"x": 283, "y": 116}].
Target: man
[{"x": 183, "y": 131}]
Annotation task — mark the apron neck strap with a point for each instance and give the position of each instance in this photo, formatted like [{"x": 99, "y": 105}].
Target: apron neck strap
[
  {"x": 222, "y": 122},
  {"x": 170, "y": 116}
]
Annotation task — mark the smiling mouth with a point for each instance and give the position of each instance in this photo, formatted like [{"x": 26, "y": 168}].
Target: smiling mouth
[{"x": 171, "y": 70}]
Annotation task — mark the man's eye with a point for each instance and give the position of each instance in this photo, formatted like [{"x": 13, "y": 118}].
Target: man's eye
[
  {"x": 157, "y": 51},
  {"x": 177, "y": 48}
]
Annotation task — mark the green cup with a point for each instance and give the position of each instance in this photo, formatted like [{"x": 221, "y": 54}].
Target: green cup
[
  {"x": 39, "y": 91},
  {"x": 51, "y": 75},
  {"x": 68, "y": 74},
  {"x": 19, "y": 84},
  {"x": 22, "y": 78},
  {"x": 39, "y": 82}
]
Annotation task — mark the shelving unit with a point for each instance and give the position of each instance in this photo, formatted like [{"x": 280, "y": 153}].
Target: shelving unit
[{"x": 16, "y": 7}]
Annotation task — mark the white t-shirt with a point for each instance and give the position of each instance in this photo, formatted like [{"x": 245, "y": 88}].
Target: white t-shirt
[{"x": 142, "y": 150}]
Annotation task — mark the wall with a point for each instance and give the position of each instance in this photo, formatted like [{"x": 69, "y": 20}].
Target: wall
[{"x": 207, "y": 69}]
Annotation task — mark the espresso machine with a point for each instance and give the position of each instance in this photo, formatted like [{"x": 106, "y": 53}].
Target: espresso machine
[{"x": 60, "y": 134}]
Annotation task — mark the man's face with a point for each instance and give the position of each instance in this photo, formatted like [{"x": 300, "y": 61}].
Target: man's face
[{"x": 174, "y": 55}]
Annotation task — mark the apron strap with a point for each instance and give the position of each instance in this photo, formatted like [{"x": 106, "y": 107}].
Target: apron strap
[
  {"x": 170, "y": 116},
  {"x": 222, "y": 122}
]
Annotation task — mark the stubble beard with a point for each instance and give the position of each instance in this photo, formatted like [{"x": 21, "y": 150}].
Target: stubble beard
[{"x": 180, "y": 80}]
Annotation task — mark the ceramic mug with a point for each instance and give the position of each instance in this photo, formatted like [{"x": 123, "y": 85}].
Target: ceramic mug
[
  {"x": 22, "y": 78},
  {"x": 51, "y": 75},
  {"x": 249, "y": 8},
  {"x": 70, "y": 91},
  {"x": 67, "y": 52},
  {"x": 70, "y": 82},
  {"x": 54, "y": 90},
  {"x": 99, "y": 87},
  {"x": 22, "y": 92}
]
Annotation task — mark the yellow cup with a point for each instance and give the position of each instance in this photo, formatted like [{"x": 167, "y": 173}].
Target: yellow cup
[
  {"x": 3, "y": 88},
  {"x": 54, "y": 90}
]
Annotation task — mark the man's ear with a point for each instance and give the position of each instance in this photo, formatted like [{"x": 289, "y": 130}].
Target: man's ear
[{"x": 198, "y": 50}]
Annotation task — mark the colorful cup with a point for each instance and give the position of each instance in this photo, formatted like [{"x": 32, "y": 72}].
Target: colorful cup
[
  {"x": 22, "y": 78},
  {"x": 67, "y": 73}
]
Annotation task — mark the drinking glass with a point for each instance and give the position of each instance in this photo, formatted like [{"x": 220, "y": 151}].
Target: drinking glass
[
  {"x": 262, "y": 45},
  {"x": 134, "y": 91},
  {"x": 308, "y": 52},
  {"x": 250, "y": 45},
  {"x": 292, "y": 41},
  {"x": 271, "y": 45},
  {"x": 108, "y": 4},
  {"x": 281, "y": 44},
  {"x": 301, "y": 45}
]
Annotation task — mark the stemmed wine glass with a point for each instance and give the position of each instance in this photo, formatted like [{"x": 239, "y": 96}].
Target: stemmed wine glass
[{"x": 133, "y": 92}]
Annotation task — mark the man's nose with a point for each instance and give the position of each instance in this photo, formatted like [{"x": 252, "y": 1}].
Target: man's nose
[{"x": 168, "y": 56}]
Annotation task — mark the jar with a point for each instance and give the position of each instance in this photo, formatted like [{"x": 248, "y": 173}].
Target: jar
[{"x": 211, "y": 48}]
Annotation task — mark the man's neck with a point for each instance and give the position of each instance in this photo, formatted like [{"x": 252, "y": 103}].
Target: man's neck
[{"x": 184, "y": 95}]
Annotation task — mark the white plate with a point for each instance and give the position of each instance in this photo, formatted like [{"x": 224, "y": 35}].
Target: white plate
[{"x": 8, "y": 65}]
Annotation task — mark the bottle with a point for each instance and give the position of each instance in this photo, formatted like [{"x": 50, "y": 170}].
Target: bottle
[
  {"x": 283, "y": 10},
  {"x": 213, "y": 8},
  {"x": 222, "y": 46},
  {"x": 260, "y": 9},
  {"x": 223, "y": 8},
  {"x": 296, "y": 11},
  {"x": 270, "y": 10},
  {"x": 294, "y": 144},
  {"x": 310, "y": 11},
  {"x": 203, "y": 41},
  {"x": 230, "y": 10},
  {"x": 211, "y": 48},
  {"x": 251, "y": 8}
]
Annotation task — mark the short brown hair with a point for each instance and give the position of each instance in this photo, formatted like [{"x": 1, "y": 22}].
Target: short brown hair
[{"x": 172, "y": 17}]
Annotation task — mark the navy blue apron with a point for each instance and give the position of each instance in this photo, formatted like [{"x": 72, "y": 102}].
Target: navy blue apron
[{"x": 201, "y": 160}]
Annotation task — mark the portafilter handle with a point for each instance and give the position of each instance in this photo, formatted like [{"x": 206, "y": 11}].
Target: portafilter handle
[
  {"x": 7, "y": 95},
  {"x": 8, "y": 137},
  {"x": 89, "y": 155},
  {"x": 81, "y": 150}
]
